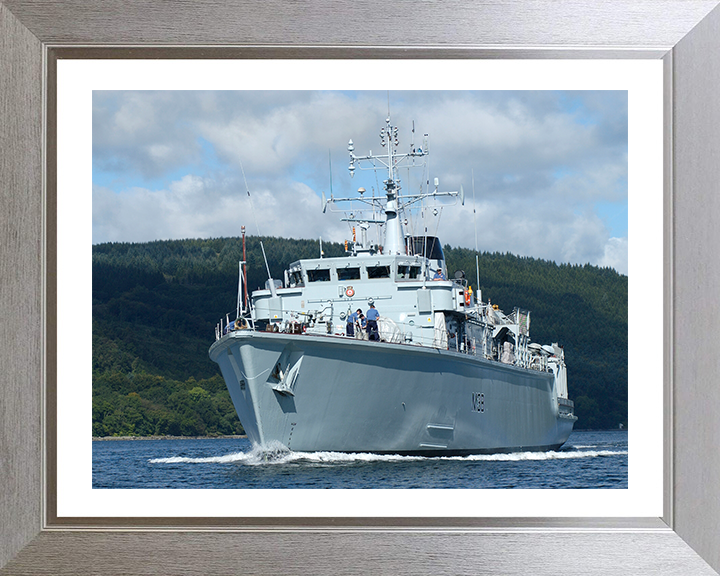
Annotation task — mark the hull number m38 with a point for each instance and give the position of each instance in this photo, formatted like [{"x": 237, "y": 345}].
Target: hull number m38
[{"x": 478, "y": 402}]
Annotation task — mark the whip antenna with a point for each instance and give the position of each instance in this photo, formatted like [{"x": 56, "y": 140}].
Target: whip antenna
[
  {"x": 477, "y": 262},
  {"x": 252, "y": 209}
]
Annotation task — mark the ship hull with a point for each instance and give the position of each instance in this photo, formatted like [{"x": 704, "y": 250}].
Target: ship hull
[{"x": 314, "y": 393}]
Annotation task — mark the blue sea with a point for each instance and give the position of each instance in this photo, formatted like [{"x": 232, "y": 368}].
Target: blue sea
[{"x": 587, "y": 460}]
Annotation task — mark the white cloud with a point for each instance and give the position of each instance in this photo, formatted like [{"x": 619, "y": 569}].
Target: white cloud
[
  {"x": 616, "y": 255},
  {"x": 541, "y": 162},
  {"x": 194, "y": 207}
]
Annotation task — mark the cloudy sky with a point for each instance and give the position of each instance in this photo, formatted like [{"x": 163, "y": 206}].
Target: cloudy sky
[{"x": 550, "y": 167}]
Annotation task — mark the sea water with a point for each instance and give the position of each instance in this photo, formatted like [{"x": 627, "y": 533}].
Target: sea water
[{"x": 587, "y": 460}]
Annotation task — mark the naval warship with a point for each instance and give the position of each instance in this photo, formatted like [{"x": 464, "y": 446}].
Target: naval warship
[{"x": 430, "y": 370}]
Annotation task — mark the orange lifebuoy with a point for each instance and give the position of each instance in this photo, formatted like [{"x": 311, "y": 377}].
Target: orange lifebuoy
[
  {"x": 467, "y": 298},
  {"x": 350, "y": 292}
]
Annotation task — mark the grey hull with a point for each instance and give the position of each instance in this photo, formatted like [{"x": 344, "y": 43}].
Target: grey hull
[{"x": 314, "y": 393}]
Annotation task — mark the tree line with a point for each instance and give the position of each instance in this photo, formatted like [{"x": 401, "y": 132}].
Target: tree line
[{"x": 155, "y": 306}]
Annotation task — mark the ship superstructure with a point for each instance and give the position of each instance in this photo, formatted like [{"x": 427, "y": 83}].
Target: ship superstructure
[{"x": 448, "y": 374}]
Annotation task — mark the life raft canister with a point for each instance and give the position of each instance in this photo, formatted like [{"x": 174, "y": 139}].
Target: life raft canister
[{"x": 349, "y": 292}]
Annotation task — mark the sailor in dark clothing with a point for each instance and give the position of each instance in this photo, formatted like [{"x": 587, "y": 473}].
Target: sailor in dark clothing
[
  {"x": 372, "y": 327},
  {"x": 350, "y": 327}
]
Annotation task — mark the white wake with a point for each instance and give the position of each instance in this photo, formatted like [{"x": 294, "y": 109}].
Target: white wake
[
  {"x": 526, "y": 456},
  {"x": 279, "y": 454}
]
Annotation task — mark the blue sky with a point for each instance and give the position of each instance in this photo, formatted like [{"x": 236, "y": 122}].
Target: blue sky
[{"x": 550, "y": 168}]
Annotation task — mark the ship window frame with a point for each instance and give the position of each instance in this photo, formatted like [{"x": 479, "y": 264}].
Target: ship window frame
[
  {"x": 348, "y": 268},
  {"x": 409, "y": 268},
  {"x": 386, "y": 266},
  {"x": 311, "y": 273},
  {"x": 298, "y": 277}
]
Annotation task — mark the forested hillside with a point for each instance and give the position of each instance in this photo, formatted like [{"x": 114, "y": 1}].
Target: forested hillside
[{"x": 155, "y": 306}]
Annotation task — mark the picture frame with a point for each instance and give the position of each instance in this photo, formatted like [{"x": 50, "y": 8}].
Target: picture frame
[{"x": 684, "y": 34}]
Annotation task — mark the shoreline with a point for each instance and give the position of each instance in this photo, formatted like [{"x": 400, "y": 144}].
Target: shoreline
[
  {"x": 237, "y": 436},
  {"x": 112, "y": 438}
]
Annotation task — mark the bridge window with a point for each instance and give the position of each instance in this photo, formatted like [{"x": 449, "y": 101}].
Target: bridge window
[
  {"x": 319, "y": 275},
  {"x": 348, "y": 274},
  {"x": 375, "y": 272},
  {"x": 296, "y": 278},
  {"x": 428, "y": 246},
  {"x": 407, "y": 272}
]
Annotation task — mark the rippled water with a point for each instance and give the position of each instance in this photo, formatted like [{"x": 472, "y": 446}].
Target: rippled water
[{"x": 587, "y": 460}]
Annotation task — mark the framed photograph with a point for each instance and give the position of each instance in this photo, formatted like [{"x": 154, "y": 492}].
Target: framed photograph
[
  {"x": 265, "y": 129},
  {"x": 56, "y": 519}
]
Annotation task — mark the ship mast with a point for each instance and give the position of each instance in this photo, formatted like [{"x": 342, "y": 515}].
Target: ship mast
[
  {"x": 393, "y": 227},
  {"x": 394, "y": 235},
  {"x": 394, "y": 202}
]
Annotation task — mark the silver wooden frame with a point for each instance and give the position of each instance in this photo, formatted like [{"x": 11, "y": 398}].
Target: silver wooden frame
[{"x": 33, "y": 35}]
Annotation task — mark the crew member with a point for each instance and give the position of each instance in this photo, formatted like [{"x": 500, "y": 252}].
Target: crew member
[
  {"x": 350, "y": 327},
  {"x": 439, "y": 275},
  {"x": 372, "y": 327},
  {"x": 361, "y": 325}
]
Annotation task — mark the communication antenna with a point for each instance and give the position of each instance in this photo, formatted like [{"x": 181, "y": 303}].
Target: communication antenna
[
  {"x": 393, "y": 203},
  {"x": 472, "y": 173},
  {"x": 252, "y": 209},
  {"x": 242, "y": 279},
  {"x": 477, "y": 262}
]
